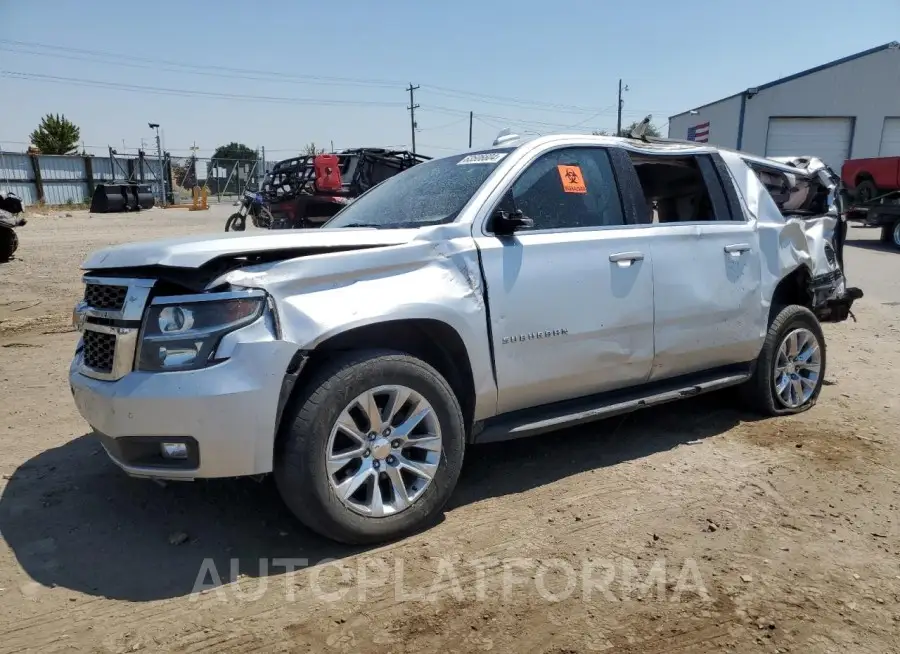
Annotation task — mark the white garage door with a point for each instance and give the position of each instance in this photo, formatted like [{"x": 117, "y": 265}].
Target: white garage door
[
  {"x": 825, "y": 138},
  {"x": 890, "y": 138}
]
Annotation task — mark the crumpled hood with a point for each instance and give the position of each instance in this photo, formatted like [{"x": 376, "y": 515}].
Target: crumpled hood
[{"x": 195, "y": 251}]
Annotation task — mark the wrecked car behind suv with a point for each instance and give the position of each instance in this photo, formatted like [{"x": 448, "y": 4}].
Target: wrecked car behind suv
[{"x": 490, "y": 295}]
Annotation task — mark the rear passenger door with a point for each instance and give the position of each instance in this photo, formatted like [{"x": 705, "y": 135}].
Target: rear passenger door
[
  {"x": 706, "y": 272},
  {"x": 570, "y": 300}
]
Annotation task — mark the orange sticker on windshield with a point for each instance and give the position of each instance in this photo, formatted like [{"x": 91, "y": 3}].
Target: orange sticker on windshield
[{"x": 572, "y": 179}]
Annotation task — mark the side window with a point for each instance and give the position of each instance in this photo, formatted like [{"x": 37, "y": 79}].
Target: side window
[
  {"x": 569, "y": 188},
  {"x": 681, "y": 189}
]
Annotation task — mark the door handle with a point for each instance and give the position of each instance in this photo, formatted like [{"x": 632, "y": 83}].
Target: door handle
[
  {"x": 625, "y": 259},
  {"x": 737, "y": 248}
]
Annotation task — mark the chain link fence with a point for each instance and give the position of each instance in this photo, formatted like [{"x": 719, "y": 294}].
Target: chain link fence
[
  {"x": 71, "y": 179},
  {"x": 224, "y": 179}
]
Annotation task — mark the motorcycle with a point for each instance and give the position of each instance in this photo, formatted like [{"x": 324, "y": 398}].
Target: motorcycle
[
  {"x": 9, "y": 241},
  {"x": 252, "y": 205}
]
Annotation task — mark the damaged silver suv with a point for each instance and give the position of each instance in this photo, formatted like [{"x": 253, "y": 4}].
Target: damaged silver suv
[{"x": 501, "y": 293}]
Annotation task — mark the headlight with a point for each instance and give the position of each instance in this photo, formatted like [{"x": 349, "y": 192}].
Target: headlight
[{"x": 181, "y": 333}]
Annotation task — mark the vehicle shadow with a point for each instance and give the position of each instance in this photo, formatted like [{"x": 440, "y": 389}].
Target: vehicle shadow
[
  {"x": 76, "y": 521},
  {"x": 874, "y": 245},
  {"x": 511, "y": 467}
]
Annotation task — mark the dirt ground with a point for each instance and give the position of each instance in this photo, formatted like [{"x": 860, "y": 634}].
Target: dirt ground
[{"x": 692, "y": 528}]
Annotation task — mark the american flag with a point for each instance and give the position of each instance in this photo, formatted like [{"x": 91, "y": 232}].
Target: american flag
[{"x": 699, "y": 133}]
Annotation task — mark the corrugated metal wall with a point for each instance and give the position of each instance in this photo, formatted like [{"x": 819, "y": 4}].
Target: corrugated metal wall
[
  {"x": 17, "y": 176},
  {"x": 102, "y": 169},
  {"x": 65, "y": 178}
]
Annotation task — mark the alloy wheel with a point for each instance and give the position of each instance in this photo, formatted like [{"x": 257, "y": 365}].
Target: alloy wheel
[
  {"x": 798, "y": 364},
  {"x": 383, "y": 451}
]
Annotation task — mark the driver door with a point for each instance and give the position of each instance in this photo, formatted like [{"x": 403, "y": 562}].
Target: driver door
[{"x": 570, "y": 299}]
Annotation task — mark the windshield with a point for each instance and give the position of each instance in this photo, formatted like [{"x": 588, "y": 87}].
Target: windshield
[{"x": 429, "y": 193}]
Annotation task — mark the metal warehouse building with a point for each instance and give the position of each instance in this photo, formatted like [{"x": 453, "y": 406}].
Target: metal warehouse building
[{"x": 849, "y": 108}]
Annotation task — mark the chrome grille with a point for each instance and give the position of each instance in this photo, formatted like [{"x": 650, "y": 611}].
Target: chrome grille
[
  {"x": 99, "y": 350},
  {"x": 109, "y": 319},
  {"x": 105, "y": 296}
]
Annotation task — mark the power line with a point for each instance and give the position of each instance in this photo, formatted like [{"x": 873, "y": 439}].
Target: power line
[
  {"x": 116, "y": 86},
  {"x": 444, "y": 126},
  {"x": 133, "y": 61},
  {"x": 117, "y": 59},
  {"x": 183, "y": 68},
  {"x": 507, "y": 101}
]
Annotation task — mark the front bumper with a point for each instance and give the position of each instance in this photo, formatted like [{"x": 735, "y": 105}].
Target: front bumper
[{"x": 229, "y": 410}]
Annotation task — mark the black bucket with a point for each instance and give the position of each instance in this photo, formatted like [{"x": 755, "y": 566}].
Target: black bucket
[
  {"x": 116, "y": 198},
  {"x": 145, "y": 197}
]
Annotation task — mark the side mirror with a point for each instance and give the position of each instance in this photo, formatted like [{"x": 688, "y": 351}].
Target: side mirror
[{"x": 507, "y": 222}]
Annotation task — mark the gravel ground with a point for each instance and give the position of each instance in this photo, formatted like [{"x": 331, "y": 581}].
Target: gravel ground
[{"x": 691, "y": 528}]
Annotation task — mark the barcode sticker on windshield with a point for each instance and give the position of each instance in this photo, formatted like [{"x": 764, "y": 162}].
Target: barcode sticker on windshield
[{"x": 484, "y": 158}]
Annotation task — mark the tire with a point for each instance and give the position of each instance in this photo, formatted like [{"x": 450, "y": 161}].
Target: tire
[
  {"x": 760, "y": 391},
  {"x": 310, "y": 490},
  {"x": 9, "y": 243},
  {"x": 236, "y": 223},
  {"x": 891, "y": 234},
  {"x": 866, "y": 190},
  {"x": 265, "y": 218}
]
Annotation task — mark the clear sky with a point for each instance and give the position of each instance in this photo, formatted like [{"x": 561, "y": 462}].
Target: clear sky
[{"x": 282, "y": 74}]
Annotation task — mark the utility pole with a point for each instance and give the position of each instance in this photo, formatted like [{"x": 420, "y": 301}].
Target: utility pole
[
  {"x": 412, "y": 113},
  {"x": 161, "y": 176},
  {"x": 262, "y": 172},
  {"x": 619, "y": 118},
  {"x": 620, "y": 105},
  {"x": 471, "y": 116},
  {"x": 112, "y": 162}
]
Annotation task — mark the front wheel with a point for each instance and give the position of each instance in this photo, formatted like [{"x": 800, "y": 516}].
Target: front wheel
[
  {"x": 373, "y": 449},
  {"x": 791, "y": 366},
  {"x": 236, "y": 223}
]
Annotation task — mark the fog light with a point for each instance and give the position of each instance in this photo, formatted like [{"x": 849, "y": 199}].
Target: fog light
[
  {"x": 174, "y": 450},
  {"x": 174, "y": 356}
]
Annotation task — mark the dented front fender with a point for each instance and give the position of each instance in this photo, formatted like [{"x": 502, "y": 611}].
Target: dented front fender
[{"x": 436, "y": 276}]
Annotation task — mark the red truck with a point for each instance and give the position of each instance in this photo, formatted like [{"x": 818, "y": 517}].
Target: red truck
[
  {"x": 866, "y": 179},
  {"x": 874, "y": 188}
]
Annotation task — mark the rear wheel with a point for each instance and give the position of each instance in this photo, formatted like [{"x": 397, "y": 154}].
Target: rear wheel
[
  {"x": 891, "y": 234},
  {"x": 866, "y": 190},
  {"x": 9, "y": 243},
  {"x": 236, "y": 223},
  {"x": 374, "y": 448},
  {"x": 265, "y": 218},
  {"x": 791, "y": 366}
]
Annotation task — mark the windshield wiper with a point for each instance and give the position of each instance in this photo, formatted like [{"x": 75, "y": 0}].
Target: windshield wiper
[{"x": 360, "y": 225}]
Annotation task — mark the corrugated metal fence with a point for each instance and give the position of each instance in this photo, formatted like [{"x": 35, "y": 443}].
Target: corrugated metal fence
[{"x": 70, "y": 179}]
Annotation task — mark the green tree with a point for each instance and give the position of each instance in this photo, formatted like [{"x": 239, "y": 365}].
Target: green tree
[
  {"x": 56, "y": 135},
  {"x": 234, "y": 151},
  {"x": 228, "y": 157}
]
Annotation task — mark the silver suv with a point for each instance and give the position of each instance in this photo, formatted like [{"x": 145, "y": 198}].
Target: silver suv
[{"x": 491, "y": 295}]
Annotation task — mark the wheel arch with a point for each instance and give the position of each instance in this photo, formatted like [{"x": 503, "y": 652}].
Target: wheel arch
[
  {"x": 863, "y": 176},
  {"x": 794, "y": 288},
  {"x": 433, "y": 341}
]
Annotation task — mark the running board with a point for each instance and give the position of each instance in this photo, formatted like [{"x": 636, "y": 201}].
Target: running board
[{"x": 540, "y": 420}]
